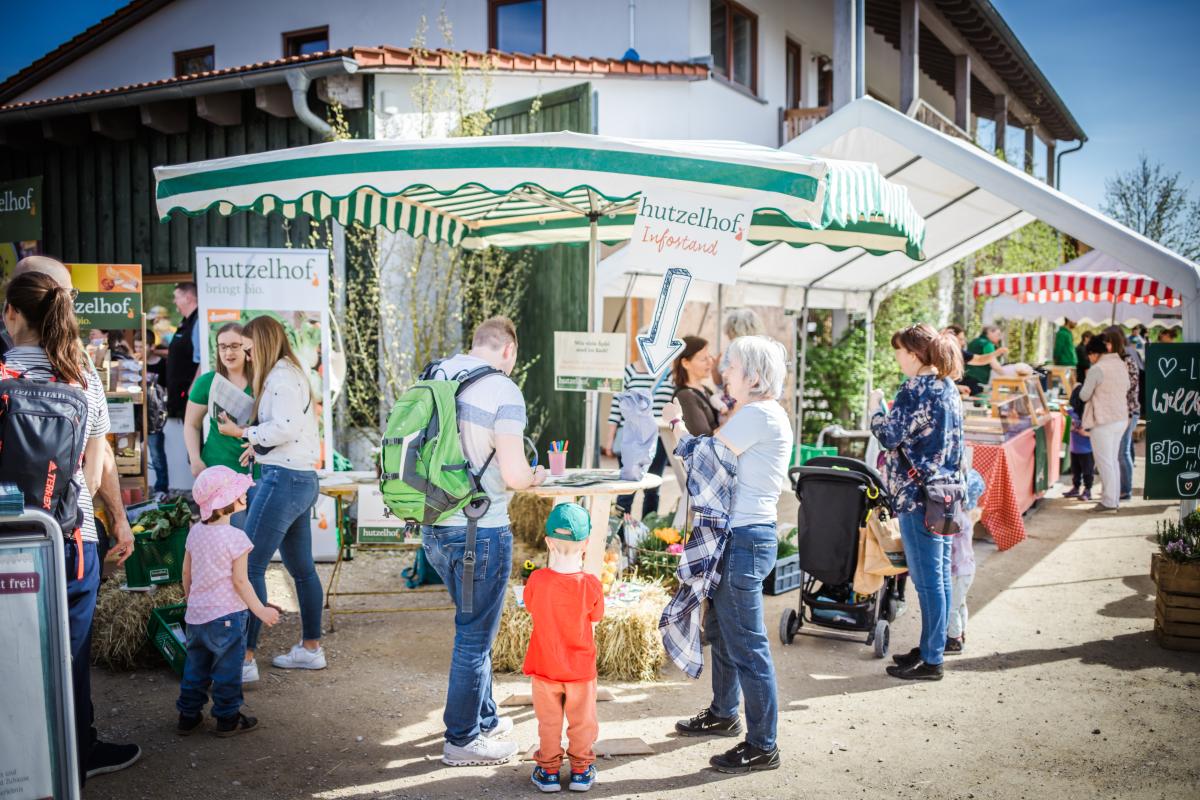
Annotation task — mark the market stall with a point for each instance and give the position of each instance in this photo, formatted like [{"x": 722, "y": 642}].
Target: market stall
[{"x": 1017, "y": 472}]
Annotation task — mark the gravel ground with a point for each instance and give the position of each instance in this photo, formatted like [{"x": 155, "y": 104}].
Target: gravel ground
[{"x": 1062, "y": 692}]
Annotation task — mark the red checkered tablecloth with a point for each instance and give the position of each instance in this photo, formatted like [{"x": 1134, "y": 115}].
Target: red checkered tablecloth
[{"x": 1007, "y": 471}]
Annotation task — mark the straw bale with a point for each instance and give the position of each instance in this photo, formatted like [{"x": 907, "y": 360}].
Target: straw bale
[
  {"x": 527, "y": 515},
  {"x": 119, "y": 626}
]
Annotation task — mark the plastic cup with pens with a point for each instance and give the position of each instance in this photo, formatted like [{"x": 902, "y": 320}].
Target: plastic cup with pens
[{"x": 558, "y": 457}]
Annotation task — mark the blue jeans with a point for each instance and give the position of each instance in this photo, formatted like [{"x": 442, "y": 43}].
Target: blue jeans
[
  {"x": 81, "y": 606},
  {"x": 928, "y": 558},
  {"x": 470, "y": 709},
  {"x": 741, "y": 653},
  {"x": 214, "y": 657},
  {"x": 158, "y": 459},
  {"x": 1125, "y": 456},
  {"x": 281, "y": 505}
]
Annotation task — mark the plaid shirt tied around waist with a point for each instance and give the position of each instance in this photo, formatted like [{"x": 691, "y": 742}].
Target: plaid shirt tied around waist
[{"x": 711, "y": 483}]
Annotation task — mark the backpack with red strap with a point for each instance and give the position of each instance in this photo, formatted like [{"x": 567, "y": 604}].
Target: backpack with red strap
[{"x": 43, "y": 430}]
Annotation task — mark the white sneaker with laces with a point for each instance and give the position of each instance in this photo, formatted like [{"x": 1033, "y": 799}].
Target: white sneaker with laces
[
  {"x": 504, "y": 726},
  {"x": 249, "y": 671},
  {"x": 300, "y": 657},
  {"x": 480, "y": 752}
]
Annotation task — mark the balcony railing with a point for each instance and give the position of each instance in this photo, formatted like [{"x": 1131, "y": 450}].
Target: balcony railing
[
  {"x": 928, "y": 115},
  {"x": 796, "y": 121}
]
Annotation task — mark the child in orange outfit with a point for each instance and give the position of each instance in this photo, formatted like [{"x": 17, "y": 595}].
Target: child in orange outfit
[{"x": 564, "y": 602}]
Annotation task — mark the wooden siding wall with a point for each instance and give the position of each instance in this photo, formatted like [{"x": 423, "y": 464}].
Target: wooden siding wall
[
  {"x": 98, "y": 197},
  {"x": 556, "y": 299}
]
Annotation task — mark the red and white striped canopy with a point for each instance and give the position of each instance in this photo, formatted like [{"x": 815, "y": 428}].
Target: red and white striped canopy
[{"x": 1093, "y": 287}]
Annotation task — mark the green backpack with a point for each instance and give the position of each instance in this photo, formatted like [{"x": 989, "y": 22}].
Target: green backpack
[{"x": 425, "y": 476}]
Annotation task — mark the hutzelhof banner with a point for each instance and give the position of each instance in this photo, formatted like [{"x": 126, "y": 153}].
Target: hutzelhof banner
[
  {"x": 20, "y": 221},
  {"x": 110, "y": 296},
  {"x": 237, "y": 284}
]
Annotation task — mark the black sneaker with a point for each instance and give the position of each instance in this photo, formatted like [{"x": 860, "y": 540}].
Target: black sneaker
[
  {"x": 745, "y": 758},
  {"x": 707, "y": 723},
  {"x": 909, "y": 658},
  {"x": 232, "y": 726},
  {"x": 919, "y": 671},
  {"x": 108, "y": 757},
  {"x": 954, "y": 646},
  {"x": 189, "y": 724}
]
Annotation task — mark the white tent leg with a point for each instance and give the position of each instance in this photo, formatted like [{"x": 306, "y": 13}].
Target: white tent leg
[
  {"x": 800, "y": 377},
  {"x": 870, "y": 360},
  {"x": 592, "y": 401}
]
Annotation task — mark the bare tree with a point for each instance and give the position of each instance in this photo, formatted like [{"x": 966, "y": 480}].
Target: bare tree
[{"x": 1155, "y": 203}]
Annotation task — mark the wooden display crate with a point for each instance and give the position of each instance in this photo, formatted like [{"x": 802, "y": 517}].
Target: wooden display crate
[{"x": 1177, "y": 606}]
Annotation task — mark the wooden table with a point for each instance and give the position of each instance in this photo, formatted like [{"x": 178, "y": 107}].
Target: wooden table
[{"x": 598, "y": 498}]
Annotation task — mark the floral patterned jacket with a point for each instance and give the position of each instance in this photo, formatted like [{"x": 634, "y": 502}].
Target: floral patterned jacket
[{"x": 926, "y": 420}]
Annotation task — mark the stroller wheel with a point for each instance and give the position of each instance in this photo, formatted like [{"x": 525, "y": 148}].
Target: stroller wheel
[
  {"x": 789, "y": 623},
  {"x": 882, "y": 638},
  {"x": 892, "y": 609}
]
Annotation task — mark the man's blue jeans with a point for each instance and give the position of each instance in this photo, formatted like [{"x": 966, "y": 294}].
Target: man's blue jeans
[
  {"x": 157, "y": 443},
  {"x": 733, "y": 623},
  {"x": 81, "y": 607},
  {"x": 279, "y": 519},
  {"x": 928, "y": 558},
  {"x": 214, "y": 657},
  {"x": 470, "y": 709},
  {"x": 1125, "y": 456}
]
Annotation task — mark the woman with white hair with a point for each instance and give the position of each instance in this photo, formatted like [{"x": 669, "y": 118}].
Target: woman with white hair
[{"x": 760, "y": 436}]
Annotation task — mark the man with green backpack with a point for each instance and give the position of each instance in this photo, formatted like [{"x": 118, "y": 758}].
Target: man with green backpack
[{"x": 421, "y": 481}]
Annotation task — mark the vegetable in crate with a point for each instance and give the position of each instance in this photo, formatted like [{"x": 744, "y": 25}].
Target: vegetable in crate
[{"x": 160, "y": 522}]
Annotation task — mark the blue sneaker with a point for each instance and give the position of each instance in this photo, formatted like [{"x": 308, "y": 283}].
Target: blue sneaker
[
  {"x": 547, "y": 781},
  {"x": 582, "y": 781}
]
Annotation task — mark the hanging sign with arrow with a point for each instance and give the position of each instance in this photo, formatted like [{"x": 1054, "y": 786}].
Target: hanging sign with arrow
[
  {"x": 660, "y": 346},
  {"x": 704, "y": 234}
]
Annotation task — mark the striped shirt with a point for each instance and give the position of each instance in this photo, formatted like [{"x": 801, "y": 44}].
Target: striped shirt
[
  {"x": 23, "y": 359},
  {"x": 492, "y": 405},
  {"x": 661, "y": 386}
]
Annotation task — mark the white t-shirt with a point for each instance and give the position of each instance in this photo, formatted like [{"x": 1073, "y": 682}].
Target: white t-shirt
[
  {"x": 487, "y": 407},
  {"x": 761, "y": 436}
]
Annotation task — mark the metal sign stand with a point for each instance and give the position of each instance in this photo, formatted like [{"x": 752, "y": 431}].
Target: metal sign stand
[{"x": 37, "y": 710}]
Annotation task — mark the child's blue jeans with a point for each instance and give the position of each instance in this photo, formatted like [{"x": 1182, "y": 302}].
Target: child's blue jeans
[{"x": 214, "y": 658}]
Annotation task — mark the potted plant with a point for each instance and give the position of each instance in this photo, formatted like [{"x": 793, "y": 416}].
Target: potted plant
[
  {"x": 786, "y": 575},
  {"x": 1175, "y": 569},
  {"x": 658, "y": 553}
]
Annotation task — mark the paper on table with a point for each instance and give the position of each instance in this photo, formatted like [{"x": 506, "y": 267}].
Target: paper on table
[{"x": 224, "y": 396}]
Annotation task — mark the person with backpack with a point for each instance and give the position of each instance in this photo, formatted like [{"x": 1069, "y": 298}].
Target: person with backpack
[
  {"x": 491, "y": 420},
  {"x": 53, "y": 411},
  {"x": 284, "y": 440}
]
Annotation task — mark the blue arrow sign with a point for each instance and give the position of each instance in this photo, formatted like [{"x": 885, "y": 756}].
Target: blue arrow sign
[{"x": 660, "y": 346}]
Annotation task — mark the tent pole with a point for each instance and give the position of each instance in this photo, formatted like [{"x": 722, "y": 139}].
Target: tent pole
[
  {"x": 803, "y": 373},
  {"x": 720, "y": 318},
  {"x": 870, "y": 358},
  {"x": 590, "y": 460}
]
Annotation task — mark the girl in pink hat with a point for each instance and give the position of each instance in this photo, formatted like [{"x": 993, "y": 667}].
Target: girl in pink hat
[{"x": 219, "y": 601}]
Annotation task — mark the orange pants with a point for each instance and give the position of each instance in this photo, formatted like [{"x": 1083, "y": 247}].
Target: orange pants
[{"x": 577, "y": 701}]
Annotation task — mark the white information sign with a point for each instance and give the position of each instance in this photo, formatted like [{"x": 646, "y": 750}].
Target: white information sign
[
  {"x": 705, "y": 235},
  {"x": 589, "y": 361},
  {"x": 120, "y": 415},
  {"x": 236, "y": 284},
  {"x": 376, "y": 522}
]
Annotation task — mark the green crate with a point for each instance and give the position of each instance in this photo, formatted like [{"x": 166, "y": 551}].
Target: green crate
[
  {"x": 162, "y": 636},
  {"x": 156, "y": 562},
  {"x": 809, "y": 451}
]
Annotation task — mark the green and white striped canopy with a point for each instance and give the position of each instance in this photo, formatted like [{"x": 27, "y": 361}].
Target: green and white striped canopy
[{"x": 546, "y": 188}]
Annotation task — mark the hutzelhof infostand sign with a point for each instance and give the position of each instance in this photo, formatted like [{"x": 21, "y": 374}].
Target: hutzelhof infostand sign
[{"x": 37, "y": 719}]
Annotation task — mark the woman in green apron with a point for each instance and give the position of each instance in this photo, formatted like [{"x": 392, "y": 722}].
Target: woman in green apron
[{"x": 233, "y": 366}]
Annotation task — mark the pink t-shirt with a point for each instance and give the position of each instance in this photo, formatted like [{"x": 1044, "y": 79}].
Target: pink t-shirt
[{"x": 213, "y": 549}]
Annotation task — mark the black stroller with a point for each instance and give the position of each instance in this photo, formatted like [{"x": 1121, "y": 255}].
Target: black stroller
[{"x": 835, "y": 495}]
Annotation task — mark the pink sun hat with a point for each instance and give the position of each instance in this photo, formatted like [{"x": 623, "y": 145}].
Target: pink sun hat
[{"x": 217, "y": 487}]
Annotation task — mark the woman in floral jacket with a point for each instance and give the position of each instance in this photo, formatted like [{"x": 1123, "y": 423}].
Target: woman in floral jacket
[{"x": 923, "y": 436}]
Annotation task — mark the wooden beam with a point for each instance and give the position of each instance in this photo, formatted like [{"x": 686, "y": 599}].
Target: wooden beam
[
  {"x": 962, "y": 91},
  {"x": 844, "y": 56},
  {"x": 220, "y": 109},
  {"x": 169, "y": 116},
  {"x": 1050, "y": 163},
  {"x": 275, "y": 99},
  {"x": 1029, "y": 149},
  {"x": 22, "y": 136},
  {"x": 71, "y": 131},
  {"x": 910, "y": 66},
  {"x": 120, "y": 124},
  {"x": 1000, "y": 107},
  {"x": 344, "y": 89},
  {"x": 947, "y": 34}
]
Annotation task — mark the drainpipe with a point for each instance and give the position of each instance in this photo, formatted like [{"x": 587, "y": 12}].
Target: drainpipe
[
  {"x": 632, "y": 54},
  {"x": 1058, "y": 162},
  {"x": 298, "y": 81}
]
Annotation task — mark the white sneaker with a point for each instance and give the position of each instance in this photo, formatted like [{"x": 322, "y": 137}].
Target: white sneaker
[
  {"x": 249, "y": 671},
  {"x": 504, "y": 726},
  {"x": 481, "y": 752},
  {"x": 300, "y": 657}
]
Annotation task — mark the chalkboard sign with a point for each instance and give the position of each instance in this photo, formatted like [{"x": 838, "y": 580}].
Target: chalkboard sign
[{"x": 1172, "y": 421}]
